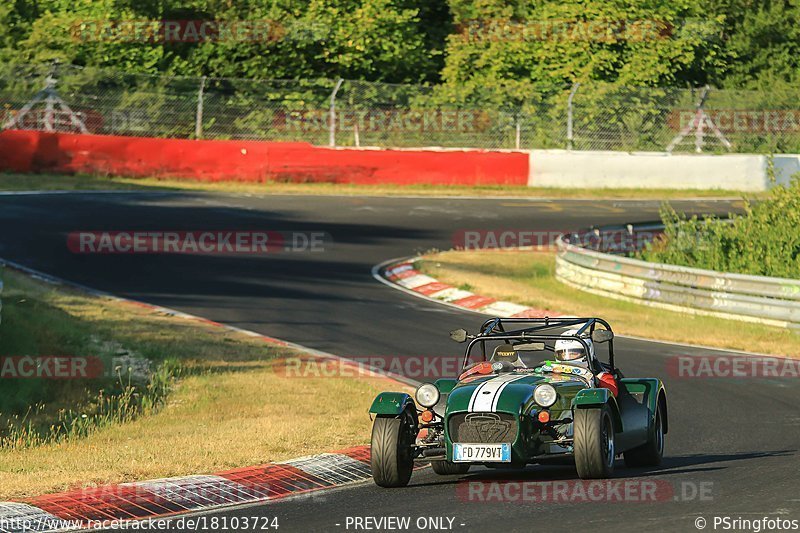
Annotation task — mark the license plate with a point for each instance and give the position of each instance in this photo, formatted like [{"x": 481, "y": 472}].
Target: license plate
[{"x": 481, "y": 453}]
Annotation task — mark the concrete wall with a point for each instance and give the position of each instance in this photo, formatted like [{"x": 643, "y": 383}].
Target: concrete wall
[{"x": 648, "y": 170}]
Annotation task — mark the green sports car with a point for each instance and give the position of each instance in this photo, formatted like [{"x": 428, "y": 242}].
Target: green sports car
[{"x": 530, "y": 391}]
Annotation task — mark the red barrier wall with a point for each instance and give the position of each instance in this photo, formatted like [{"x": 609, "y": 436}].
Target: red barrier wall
[{"x": 35, "y": 151}]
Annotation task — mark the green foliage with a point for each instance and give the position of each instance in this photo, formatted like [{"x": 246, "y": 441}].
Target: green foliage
[
  {"x": 565, "y": 41},
  {"x": 509, "y": 47},
  {"x": 764, "y": 241},
  {"x": 366, "y": 39}
]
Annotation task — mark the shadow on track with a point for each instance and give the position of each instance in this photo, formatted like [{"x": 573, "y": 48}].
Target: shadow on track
[{"x": 670, "y": 466}]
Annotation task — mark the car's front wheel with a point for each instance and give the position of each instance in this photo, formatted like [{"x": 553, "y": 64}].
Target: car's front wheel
[
  {"x": 594, "y": 443},
  {"x": 391, "y": 454},
  {"x": 448, "y": 468}
]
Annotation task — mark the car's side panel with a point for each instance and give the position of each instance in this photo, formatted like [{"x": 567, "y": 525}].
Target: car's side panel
[{"x": 391, "y": 403}]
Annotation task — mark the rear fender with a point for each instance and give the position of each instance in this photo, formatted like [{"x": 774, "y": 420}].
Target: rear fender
[{"x": 654, "y": 395}]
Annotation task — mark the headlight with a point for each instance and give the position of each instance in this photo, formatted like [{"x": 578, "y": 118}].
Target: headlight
[
  {"x": 427, "y": 395},
  {"x": 545, "y": 395}
]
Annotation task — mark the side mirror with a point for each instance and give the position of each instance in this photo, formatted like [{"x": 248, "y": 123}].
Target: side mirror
[
  {"x": 530, "y": 347},
  {"x": 602, "y": 335},
  {"x": 459, "y": 335}
]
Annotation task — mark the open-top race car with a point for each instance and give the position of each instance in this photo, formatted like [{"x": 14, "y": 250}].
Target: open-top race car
[{"x": 542, "y": 395}]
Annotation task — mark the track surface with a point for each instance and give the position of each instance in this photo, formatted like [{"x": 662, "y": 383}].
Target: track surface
[{"x": 740, "y": 438}]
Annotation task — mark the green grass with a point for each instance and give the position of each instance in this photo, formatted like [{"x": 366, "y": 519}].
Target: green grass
[
  {"x": 46, "y": 182},
  {"x": 215, "y": 400},
  {"x": 528, "y": 278}
]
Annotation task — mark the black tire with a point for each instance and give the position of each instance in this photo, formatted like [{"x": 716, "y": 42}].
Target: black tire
[
  {"x": 652, "y": 452},
  {"x": 594, "y": 443},
  {"x": 448, "y": 468},
  {"x": 391, "y": 451}
]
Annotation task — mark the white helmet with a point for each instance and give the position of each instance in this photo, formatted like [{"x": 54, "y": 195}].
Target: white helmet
[{"x": 571, "y": 349}]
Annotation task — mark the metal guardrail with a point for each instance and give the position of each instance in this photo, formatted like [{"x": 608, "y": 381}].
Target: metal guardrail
[{"x": 765, "y": 300}]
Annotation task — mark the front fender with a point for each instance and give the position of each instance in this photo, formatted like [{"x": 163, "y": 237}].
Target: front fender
[
  {"x": 445, "y": 385},
  {"x": 391, "y": 403},
  {"x": 595, "y": 398}
]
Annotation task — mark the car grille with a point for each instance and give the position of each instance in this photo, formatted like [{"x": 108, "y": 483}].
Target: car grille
[{"x": 483, "y": 428}]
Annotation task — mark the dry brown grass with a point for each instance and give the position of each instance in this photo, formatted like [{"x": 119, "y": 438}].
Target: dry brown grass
[{"x": 528, "y": 278}]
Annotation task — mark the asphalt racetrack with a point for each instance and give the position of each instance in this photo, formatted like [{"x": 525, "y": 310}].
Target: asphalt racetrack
[{"x": 732, "y": 448}]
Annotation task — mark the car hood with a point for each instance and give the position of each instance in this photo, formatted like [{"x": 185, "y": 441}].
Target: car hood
[{"x": 511, "y": 392}]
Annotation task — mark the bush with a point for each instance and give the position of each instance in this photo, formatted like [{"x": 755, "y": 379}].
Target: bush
[{"x": 765, "y": 241}]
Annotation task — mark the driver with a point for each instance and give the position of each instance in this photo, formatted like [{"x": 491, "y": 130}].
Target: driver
[{"x": 573, "y": 352}]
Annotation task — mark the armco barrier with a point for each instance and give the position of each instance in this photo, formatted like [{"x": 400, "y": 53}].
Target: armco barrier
[
  {"x": 254, "y": 161},
  {"x": 773, "y": 301}
]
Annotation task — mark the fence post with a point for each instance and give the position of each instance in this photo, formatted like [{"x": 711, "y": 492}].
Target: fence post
[
  {"x": 198, "y": 120},
  {"x": 570, "y": 136},
  {"x": 49, "y": 109},
  {"x": 518, "y": 138},
  {"x": 332, "y": 133}
]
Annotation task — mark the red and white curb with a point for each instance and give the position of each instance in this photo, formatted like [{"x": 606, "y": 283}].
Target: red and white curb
[
  {"x": 162, "y": 498},
  {"x": 402, "y": 274}
]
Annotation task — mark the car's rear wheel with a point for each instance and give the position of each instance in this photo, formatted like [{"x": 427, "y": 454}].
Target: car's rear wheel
[
  {"x": 391, "y": 453},
  {"x": 448, "y": 468},
  {"x": 594, "y": 443},
  {"x": 652, "y": 452}
]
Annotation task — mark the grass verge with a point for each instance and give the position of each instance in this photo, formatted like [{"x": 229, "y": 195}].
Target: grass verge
[
  {"x": 226, "y": 402},
  {"x": 29, "y": 182},
  {"x": 528, "y": 278}
]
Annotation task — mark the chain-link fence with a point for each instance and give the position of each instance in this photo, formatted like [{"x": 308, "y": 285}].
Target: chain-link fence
[{"x": 594, "y": 116}]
